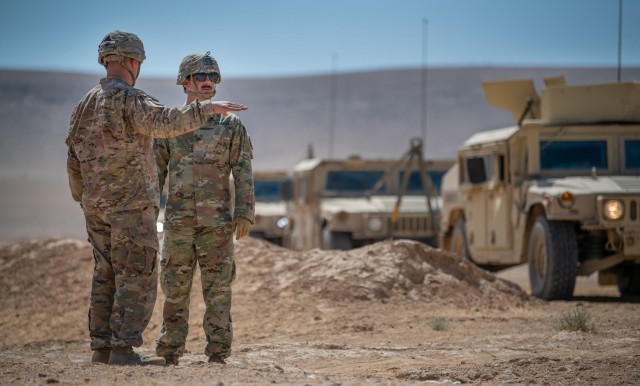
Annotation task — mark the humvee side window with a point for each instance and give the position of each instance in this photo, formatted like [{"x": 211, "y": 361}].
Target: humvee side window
[
  {"x": 480, "y": 169},
  {"x": 353, "y": 181},
  {"x": 632, "y": 154},
  {"x": 573, "y": 155}
]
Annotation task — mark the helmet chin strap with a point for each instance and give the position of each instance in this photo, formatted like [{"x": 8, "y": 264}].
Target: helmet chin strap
[{"x": 123, "y": 63}]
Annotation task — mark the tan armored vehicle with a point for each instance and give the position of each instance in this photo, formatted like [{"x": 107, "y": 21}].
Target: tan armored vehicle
[
  {"x": 333, "y": 206},
  {"x": 561, "y": 190},
  {"x": 271, "y": 222}
]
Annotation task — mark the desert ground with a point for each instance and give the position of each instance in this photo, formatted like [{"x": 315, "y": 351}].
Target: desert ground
[{"x": 392, "y": 313}]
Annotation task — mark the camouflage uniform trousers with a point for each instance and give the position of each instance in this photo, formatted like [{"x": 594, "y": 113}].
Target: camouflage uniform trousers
[
  {"x": 125, "y": 277},
  {"x": 212, "y": 248}
]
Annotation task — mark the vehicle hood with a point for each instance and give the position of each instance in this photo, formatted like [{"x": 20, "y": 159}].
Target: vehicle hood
[
  {"x": 276, "y": 208},
  {"x": 588, "y": 185},
  {"x": 378, "y": 204}
]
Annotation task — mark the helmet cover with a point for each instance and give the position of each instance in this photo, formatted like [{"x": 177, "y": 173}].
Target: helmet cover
[
  {"x": 118, "y": 44},
  {"x": 196, "y": 63}
]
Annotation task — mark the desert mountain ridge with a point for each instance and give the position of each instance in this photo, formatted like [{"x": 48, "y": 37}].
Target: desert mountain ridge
[{"x": 376, "y": 115}]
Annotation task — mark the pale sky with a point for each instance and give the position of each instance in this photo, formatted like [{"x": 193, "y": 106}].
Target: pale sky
[{"x": 267, "y": 38}]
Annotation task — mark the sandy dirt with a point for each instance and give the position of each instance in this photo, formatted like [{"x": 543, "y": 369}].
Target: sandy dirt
[{"x": 392, "y": 313}]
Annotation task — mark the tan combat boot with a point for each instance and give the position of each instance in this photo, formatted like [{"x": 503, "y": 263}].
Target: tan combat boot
[
  {"x": 172, "y": 359},
  {"x": 217, "y": 359},
  {"x": 125, "y": 356},
  {"x": 101, "y": 355}
]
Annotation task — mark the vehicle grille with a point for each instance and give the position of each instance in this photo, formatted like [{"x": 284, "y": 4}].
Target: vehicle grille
[
  {"x": 413, "y": 226},
  {"x": 630, "y": 184}
]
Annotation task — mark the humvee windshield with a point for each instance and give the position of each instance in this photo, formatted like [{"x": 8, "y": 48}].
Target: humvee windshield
[
  {"x": 268, "y": 190},
  {"x": 415, "y": 181},
  {"x": 351, "y": 182},
  {"x": 557, "y": 155},
  {"x": 632, "y": 154},
  {"x": 573, "y": 155}
]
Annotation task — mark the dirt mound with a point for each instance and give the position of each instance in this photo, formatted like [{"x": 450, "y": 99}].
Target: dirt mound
[
  {"x": 365, "y": 316},
  {"x": 377, "y": 271},
  {"x": 46, "y": 283}
]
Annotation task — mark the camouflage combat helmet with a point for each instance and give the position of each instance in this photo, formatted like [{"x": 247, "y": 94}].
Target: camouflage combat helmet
[
  {"x": 192, "y": 64},
  {"x": 117, "y": 44}
]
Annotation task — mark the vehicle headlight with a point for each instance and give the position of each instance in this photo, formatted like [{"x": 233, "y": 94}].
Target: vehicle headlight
[
  {"x": 282, "y": 222},
  {"x": 375, "y": 224},
  {"x": 613, "y": 209}
]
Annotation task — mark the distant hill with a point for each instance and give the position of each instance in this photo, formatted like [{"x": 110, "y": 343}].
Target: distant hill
[{"x": 377, "y": 113}]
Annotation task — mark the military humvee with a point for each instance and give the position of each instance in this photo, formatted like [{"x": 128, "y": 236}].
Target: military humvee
[
  {"x": 331, "y": 208},
  {"x": 271, "y": 190},
  {"x": 561, "y": 190}
]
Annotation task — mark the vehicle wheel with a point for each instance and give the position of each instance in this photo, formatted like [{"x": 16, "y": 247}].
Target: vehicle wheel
[
  {"x": 458, "y": 243},
  {"x": 336, "y": 240},
  {"x": 553, "y": 259},
  {"x": 628, "y": 278}
]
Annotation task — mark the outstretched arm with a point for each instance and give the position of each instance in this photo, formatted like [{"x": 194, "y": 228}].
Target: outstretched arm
[{"x": 149, "y": 117}]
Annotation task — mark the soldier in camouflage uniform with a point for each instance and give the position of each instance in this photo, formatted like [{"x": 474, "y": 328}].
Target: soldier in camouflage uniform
[
  {"x": 113, "y": 174},
  {"x": 199, "y": 218}
]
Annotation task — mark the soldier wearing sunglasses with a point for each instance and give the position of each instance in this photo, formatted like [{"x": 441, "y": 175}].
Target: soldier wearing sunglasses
[{"x": 201, "y": 216}]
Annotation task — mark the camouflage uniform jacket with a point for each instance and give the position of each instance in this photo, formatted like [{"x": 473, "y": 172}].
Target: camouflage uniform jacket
[
  {"x": 111, "y": 162},
  {"x": 198, "y": 166}
]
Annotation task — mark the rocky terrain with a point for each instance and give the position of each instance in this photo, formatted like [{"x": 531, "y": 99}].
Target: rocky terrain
[{"x": 392, "y": 313}]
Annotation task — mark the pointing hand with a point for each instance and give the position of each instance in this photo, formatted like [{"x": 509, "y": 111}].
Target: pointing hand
[{"x": 224, "y": 107}]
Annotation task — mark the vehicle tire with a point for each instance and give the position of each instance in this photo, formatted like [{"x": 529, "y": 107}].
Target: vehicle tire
[
  {"x": 553, "y": 259},
  {"x": 628, "y": 278},
  {"x": 458, "y": 243},
  {"x": 336, "y": 240}
]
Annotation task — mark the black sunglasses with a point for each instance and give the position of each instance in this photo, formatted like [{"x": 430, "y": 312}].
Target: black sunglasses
[{"x": 202, "y": 76}]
